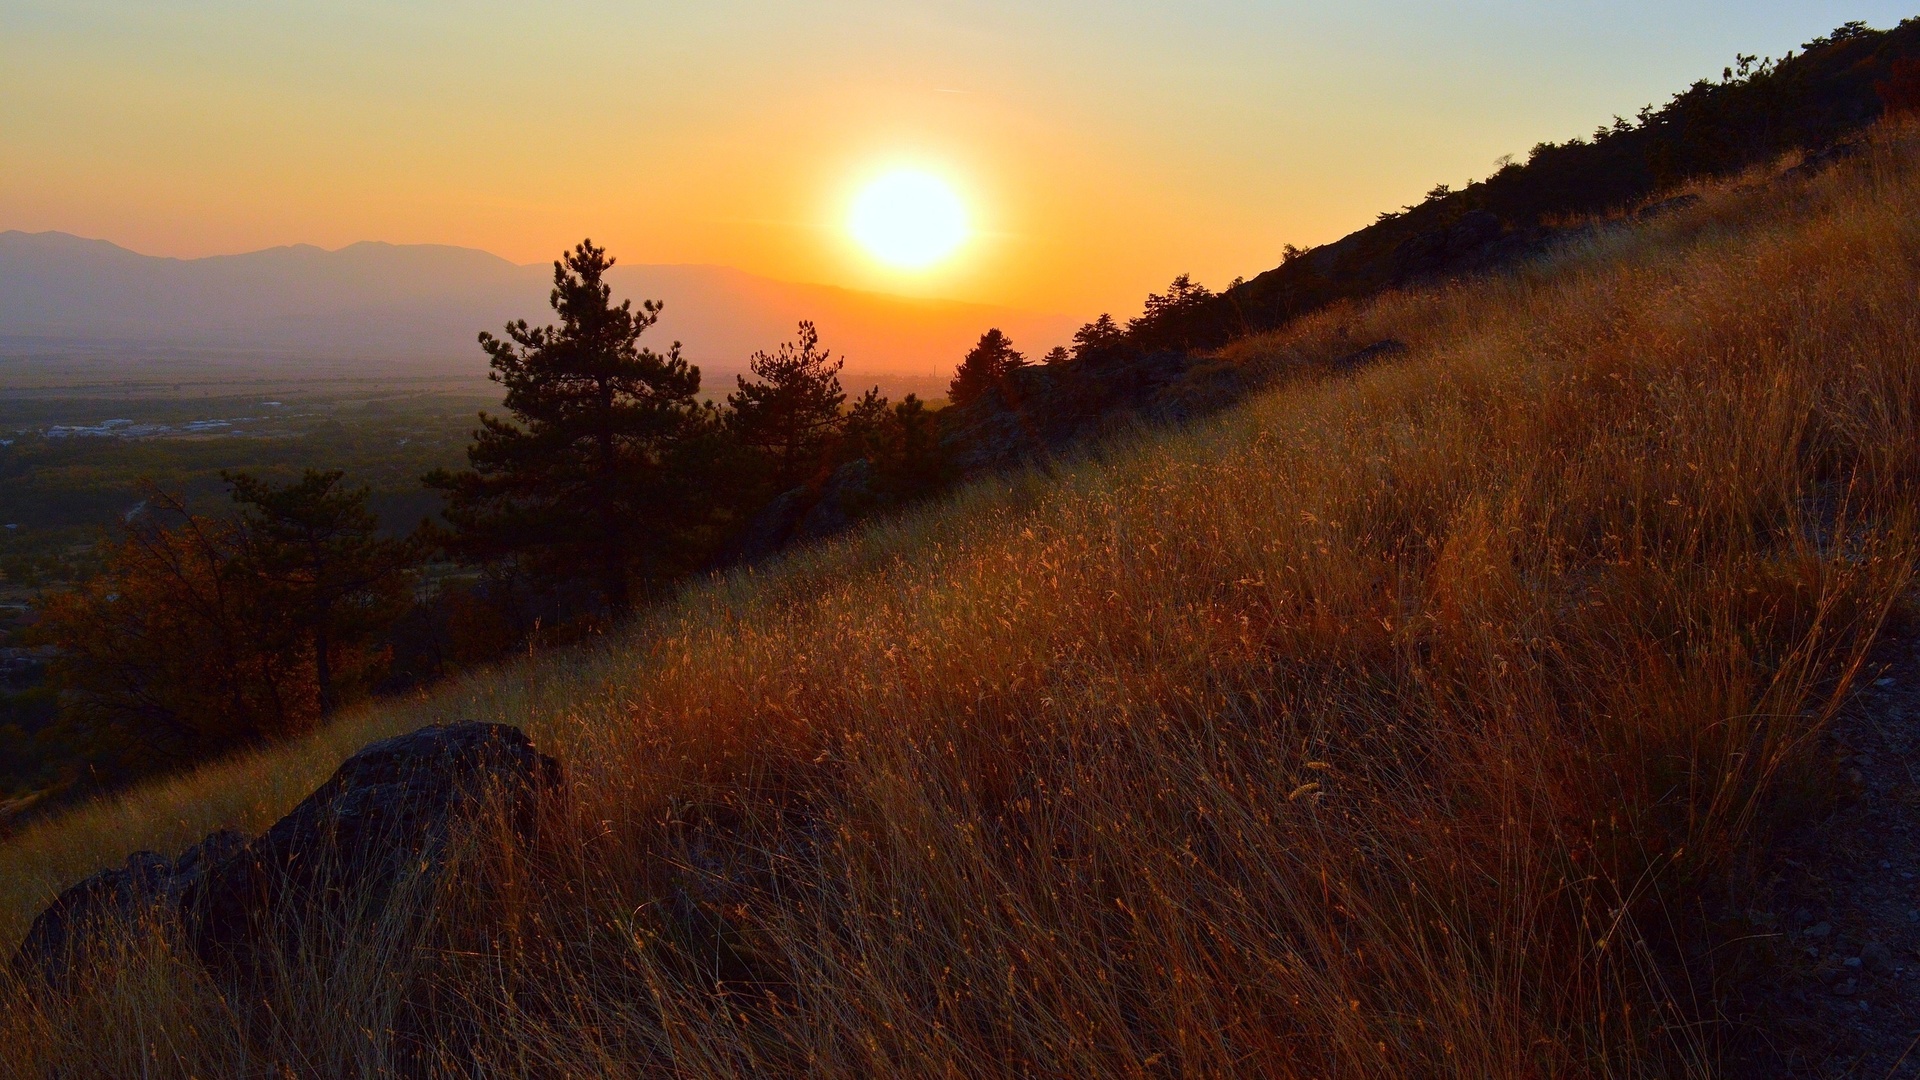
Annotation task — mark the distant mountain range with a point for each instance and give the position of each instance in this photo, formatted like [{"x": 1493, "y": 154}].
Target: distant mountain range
[{"x": 424, "y": 302}]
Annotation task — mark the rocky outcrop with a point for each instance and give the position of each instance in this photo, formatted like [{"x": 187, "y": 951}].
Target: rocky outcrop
[
  {"x": 809, "y": 512},
  {"x": 1040, "y": 410},
  {"x": 1461, "y": 244},
  {"x": 847, "y": 494},
  {"x": 146, "y": 889},
  {"x": 771, "y": 529},
  {"x": 387, "y": 815},
  {"x": 1372, "y": 354}
]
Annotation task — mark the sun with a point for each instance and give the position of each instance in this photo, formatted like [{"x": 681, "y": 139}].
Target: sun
[{"x": 908, "y": 219}]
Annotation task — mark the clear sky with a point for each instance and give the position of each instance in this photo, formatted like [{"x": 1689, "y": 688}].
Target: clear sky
[{"x": 1099, "y": 148}]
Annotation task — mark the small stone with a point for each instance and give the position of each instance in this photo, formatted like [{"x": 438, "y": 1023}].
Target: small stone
[
  {"x": 1885, "y": 865},
  {"x": 1851, "y": 961},
  {"x": 1878, "y": 957},
  {"x": 1819, "y": 930},
  {"x": 1913, "y": 915},
  {"x": 1845, "y": 987},
  {"x": 1883, "y": 682}
]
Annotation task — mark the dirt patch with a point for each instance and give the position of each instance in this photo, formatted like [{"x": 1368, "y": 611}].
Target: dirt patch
[{"x": 1837, "y": 918}]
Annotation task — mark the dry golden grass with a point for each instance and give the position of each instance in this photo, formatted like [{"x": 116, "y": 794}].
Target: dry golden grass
[{"x": 1416, "y": 722}]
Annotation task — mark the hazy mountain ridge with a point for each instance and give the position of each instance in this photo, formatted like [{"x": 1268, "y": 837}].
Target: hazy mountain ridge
[{"x": 383, "y": 301}]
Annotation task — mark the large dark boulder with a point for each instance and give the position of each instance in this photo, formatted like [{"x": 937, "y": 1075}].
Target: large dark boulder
[
  {"x": 770, "y": 529},
  {"x": 387, "y": 815},
  {"x": 846, "y": 495},
  {"x": 146, "y": 889}
]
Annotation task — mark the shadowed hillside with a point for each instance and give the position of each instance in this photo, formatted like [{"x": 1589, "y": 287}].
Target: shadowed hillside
[
  {"x": 1413, "y": 718},
  {"x": 1759, "y": 109}
]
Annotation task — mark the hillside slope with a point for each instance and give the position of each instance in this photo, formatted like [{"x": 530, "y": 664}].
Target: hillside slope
[
  {"x": 1413, "y": 720},
  {"x": 1803, "y": 102},
  {"x": 1811, "y": 105}
]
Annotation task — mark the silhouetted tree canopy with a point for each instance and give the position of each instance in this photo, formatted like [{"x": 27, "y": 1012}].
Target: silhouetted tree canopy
[
  {"x": 985, "y": 367},
  {"x": 791, "y": 413},
  {"x": 315, "y": 555},
  {"x": 202, "y": 634},
  {"x": 1174, "y": 319},
  {"x": 167, "y": 655},
  {"x": 591, "y": 480},
  {"x": 1099, "y": 335},
  {"x": 911, "y": 465},
  {"x": 866, "y": 429}
]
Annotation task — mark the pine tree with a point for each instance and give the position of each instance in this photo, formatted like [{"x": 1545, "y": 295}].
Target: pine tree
[
  {"x": 1178, "y": 319},
  {"x": 316, "y": 556},
  {"x": 585, "y": 482},
  {"x": 792, "y": 413},
  {"x": 867, "y": 429},
  {"x": 914, "y": 466},
  {"x": 1097, "y": 336},
  {"x": 986, "y": 367}
]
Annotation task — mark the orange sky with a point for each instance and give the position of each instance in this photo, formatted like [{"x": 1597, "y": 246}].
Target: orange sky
[{"x": 1100, "y": 148}]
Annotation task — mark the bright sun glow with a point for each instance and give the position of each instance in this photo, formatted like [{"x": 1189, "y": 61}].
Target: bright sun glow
[{"x": 908, "y": 219}]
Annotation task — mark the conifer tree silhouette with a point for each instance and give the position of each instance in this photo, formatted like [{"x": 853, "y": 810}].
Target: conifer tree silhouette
[
  {"x": 584, "y": 482},
  {"x": 986, "y": 367}
]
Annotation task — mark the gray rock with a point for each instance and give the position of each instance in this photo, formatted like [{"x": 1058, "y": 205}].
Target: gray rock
[
  {"x": 1447, "y": 250},
  {"x": 1878, "y": 958},
  {"x": 1666, "y": 206},
  {"x": 146, "y": 889},
  {"x": 847, "y": 494},
  {"x": 387, "y": 813},
  {"x": 1819, "y": 161},
  {"x": 1379, "y": 350},
  {"x": 772, "y": 527}
]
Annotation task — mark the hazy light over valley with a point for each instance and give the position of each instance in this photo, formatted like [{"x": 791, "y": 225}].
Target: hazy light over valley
[{"x": 1097, "y": 150}]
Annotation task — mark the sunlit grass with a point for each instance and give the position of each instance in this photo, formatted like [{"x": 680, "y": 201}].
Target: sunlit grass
[{"x": 1393, "y": 724}]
